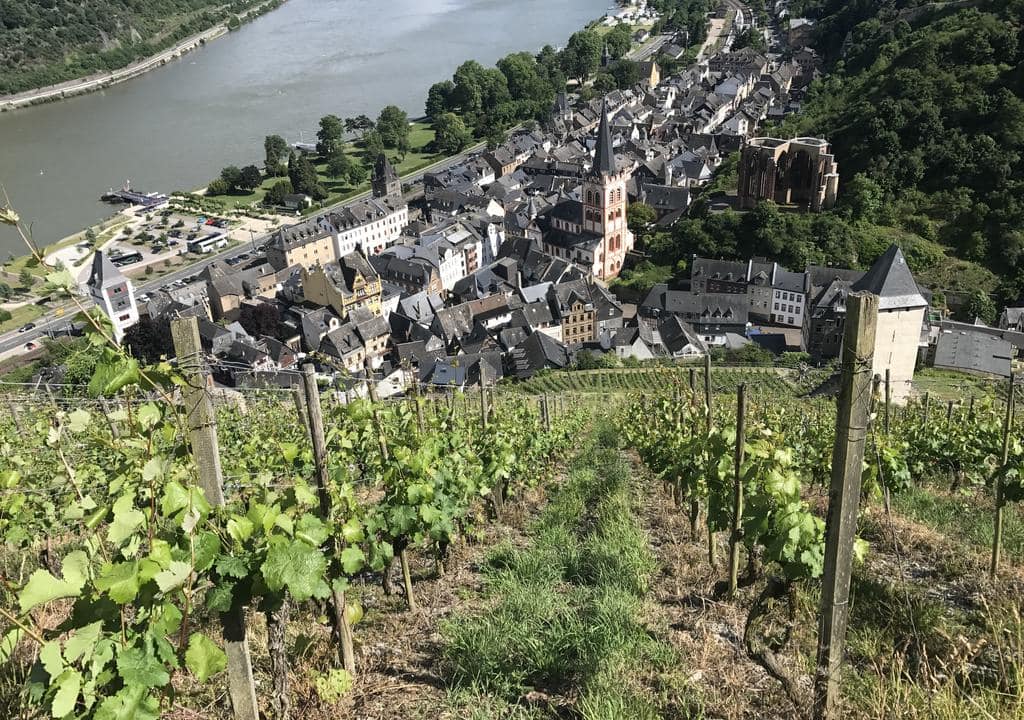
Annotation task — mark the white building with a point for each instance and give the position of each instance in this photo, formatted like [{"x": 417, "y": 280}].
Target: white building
[
  {"x": 370, "y": 225},
  {"x": 901, "y": 309},
  {"x": 788, "y": 298},
  {"x": 113, "y": 293}
]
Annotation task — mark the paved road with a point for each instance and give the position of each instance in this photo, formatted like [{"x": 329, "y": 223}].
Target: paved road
[
  {"x": 649, "y": 48},
  {"x": 54, "y": 323}
]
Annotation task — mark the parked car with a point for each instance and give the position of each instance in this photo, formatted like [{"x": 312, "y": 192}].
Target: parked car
[{"x": 31, "y": 346}]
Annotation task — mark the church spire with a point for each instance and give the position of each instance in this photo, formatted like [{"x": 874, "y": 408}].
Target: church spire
[{"x": 604, "y": 156}]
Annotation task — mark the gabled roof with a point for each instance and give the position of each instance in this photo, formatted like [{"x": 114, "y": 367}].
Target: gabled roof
[{"x": 890, "y": 279}]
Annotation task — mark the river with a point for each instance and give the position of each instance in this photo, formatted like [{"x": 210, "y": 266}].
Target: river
[{"x": 175, "y": 127}]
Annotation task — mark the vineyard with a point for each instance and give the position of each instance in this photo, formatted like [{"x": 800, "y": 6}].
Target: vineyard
[{"x": 644, "y": 543}]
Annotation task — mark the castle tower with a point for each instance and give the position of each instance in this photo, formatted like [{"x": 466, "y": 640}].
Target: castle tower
[
  {"x": 385, "y": 180},
  {"x": 113, "y": 293},
  {"x": 604, "y": 203}
]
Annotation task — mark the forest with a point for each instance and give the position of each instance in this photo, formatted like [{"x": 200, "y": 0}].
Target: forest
[{"x": 43, "y": 42}]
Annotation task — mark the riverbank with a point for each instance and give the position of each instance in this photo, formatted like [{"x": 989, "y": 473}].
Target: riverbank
[{"x": 99, "y": 81}]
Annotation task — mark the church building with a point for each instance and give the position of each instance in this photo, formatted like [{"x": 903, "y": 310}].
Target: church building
[{"x": 591, "y": 231}]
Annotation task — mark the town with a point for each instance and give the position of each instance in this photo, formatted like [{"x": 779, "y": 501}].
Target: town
[{"x": 502, "y": 265}]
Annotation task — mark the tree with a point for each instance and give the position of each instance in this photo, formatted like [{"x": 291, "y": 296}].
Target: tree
[
  {"x": 217, "y": 186},
  {"x": 251, "y": 178},
  {"x": 438, "y": 98},
  {"x": 604, "y": 83},
  {"x": 372, "y": 144},
  {"x": 338, "y": 164},
  {"x": 392, "y": 125},
  {"x": 863, "y": 196},
  {"x": 626, "y": 74},
  {"x": 360, "y": 123},
  {"x": 523, "y": 80},
  {"x": 231, "y": 176},
  {"x": 979, "y": 305},
  {"x": 5, "y": 315},
  {"x": 275, "y": 149},
  {"x": 749, "y": 37},
  {"x": 357, "y": 174},
  {"x": 304, "y": 178},
  {"x": 467, "y": 92},
  {"x": 330, "y": 135},
  {"x": 277, "y": 192},
  {"x": 640, "y": 216},
  {"x": 259, "y": 320},
  {"x": 5, "y": 291},
  {"x": 90, "y": 236},
  {"x": 619, "y": 39},
  {"x": 582, "y": 55},
  {"x": 149, "y": 340},
  {"x": 451, "y": 134}
]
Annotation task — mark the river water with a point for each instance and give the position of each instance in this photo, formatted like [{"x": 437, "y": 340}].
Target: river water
[{"x": 175, "y": 127}]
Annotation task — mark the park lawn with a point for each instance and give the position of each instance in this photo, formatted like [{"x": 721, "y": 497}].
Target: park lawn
[
  {"x": 421, "y": 135},
  {"x": 22, "y": 315}
]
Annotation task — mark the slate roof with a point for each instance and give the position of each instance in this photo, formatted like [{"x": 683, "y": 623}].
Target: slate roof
[
  {"x": 604, "y": 157},
  {"x": 104, "y": 273},
  {"x": 973, "y": 352},
  {"x": 891, "y": 280}
]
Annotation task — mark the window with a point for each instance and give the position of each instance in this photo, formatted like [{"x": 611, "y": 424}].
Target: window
[{"x": 776, "y": 307}]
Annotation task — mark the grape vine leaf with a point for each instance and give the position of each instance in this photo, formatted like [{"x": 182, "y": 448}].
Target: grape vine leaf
[
  {"x": 297, "y": 566},
  {"x": 352, "y": 560},
  {"x": 42, "y": 587},
  {"x": 8, "y": 643},
  {"x": 78, "y": 420},
  {"x": 69, "y": 684},
  {"x": 120, "y": 581},
  {"x": 130, "y": 703},
  {"x": 140, "y": 669},
  {"x": 82, "y": 641},
  {"x": 126, "y": 520},
  {"x": 204, "y": 658},
  {"x": 50, "y": 658},
  {"x": 173, "y": 577}
]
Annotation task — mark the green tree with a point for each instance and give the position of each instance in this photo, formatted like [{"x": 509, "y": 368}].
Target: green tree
[
  {"x": 619, "y": 39},
  {"x": 358, "y": 124},
  {"x": 304, "y": 178},
  {"x": 640, "y": 216},
  {"x": 217, "y": 186},
  {"x": 393, "y": 126},
  {"x": 604, "y": 83},
  {"x": 373, "y": 145},
  {"x": 25, "y": 279},
  {"x": 582, "y": 55},
  {"x": 5, "y": 291},
  {"x": 275, "y": 150},
  {"x": 451, "y": 134},
  {"x": 338, "y": 164},
  {"x": 330, "y": 135},
  {"x": 626, "y": 74},
  {"x": 523, "y": 81},
  {"x": 277, "y": 192},
  {"x": 438, "y": 98},
  {"x": 863, "y": 196},
  {"x": 251, "y": 178},
  {"x": 357, "y": 174},
  {"x": 979, "y": 305},
  {"x": 232, "y": 176}
]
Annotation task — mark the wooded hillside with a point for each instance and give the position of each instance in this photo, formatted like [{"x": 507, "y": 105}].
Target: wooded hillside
[{"x": 43, "y": 42}]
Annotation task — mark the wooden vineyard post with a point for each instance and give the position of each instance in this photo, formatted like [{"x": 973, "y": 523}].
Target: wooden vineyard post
[
  {"x": 202, "y": 424},
  {"x": 997, "y": 535},
  {"x": 299, "y": 396},
  {"x": 924, "y": 411},
  {"x": 844, "y": 495},
  {"x": 693, "y": 383},
  {"x": 737, "y": 491},
  {"x": 316, "y": 432},
  {"x": 13, "y": 410},
  {"x": 712, "y": 550},
  {"x": 886, "y": 498},
  {"x": 949, "y": 411},
  {"x": 546, "y": 412}
]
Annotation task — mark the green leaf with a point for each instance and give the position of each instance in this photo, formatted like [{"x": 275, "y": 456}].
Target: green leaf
[
  {"x": 297, "y": 566},
  {"x": 232, "y": 566},
  {"x": 127, "y": 519},
  {"x": 130, "y": 703},
  {"x": 240, "y": 528},
  {"x": 175, "y": 498},
  {"x": 8, "y": 643},
  {"x": 352, "y": 531},
  {"x": 140, "y": 669},
  {"x": 289, "y": 451},
  {"x": 120, "y": 581},
  {"x": 79, "y": 420},
  {"x": 69, "y": 684},
  {"x": 75, "y": 568},
  {"x": 220, "y": 597},
  {"x": 148, "y": 415},
  {"x": 50, "y": 658},
  {"x": 174, "y": 577},
  {"x": 311, "y": 529},
  {"x": 154, "y": 469},
  {"x": 352, "y": 560},
  {"x": 204, "y": 658},
  {"x": 82, "y": 642},
  {"x": 42, "y": 587}
]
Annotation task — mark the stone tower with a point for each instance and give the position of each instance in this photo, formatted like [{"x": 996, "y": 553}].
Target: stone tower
[
  {"x": 113, "y": 293},
  {"x": 385, "y": 180},
  {"x": 604, "y": 203}
]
